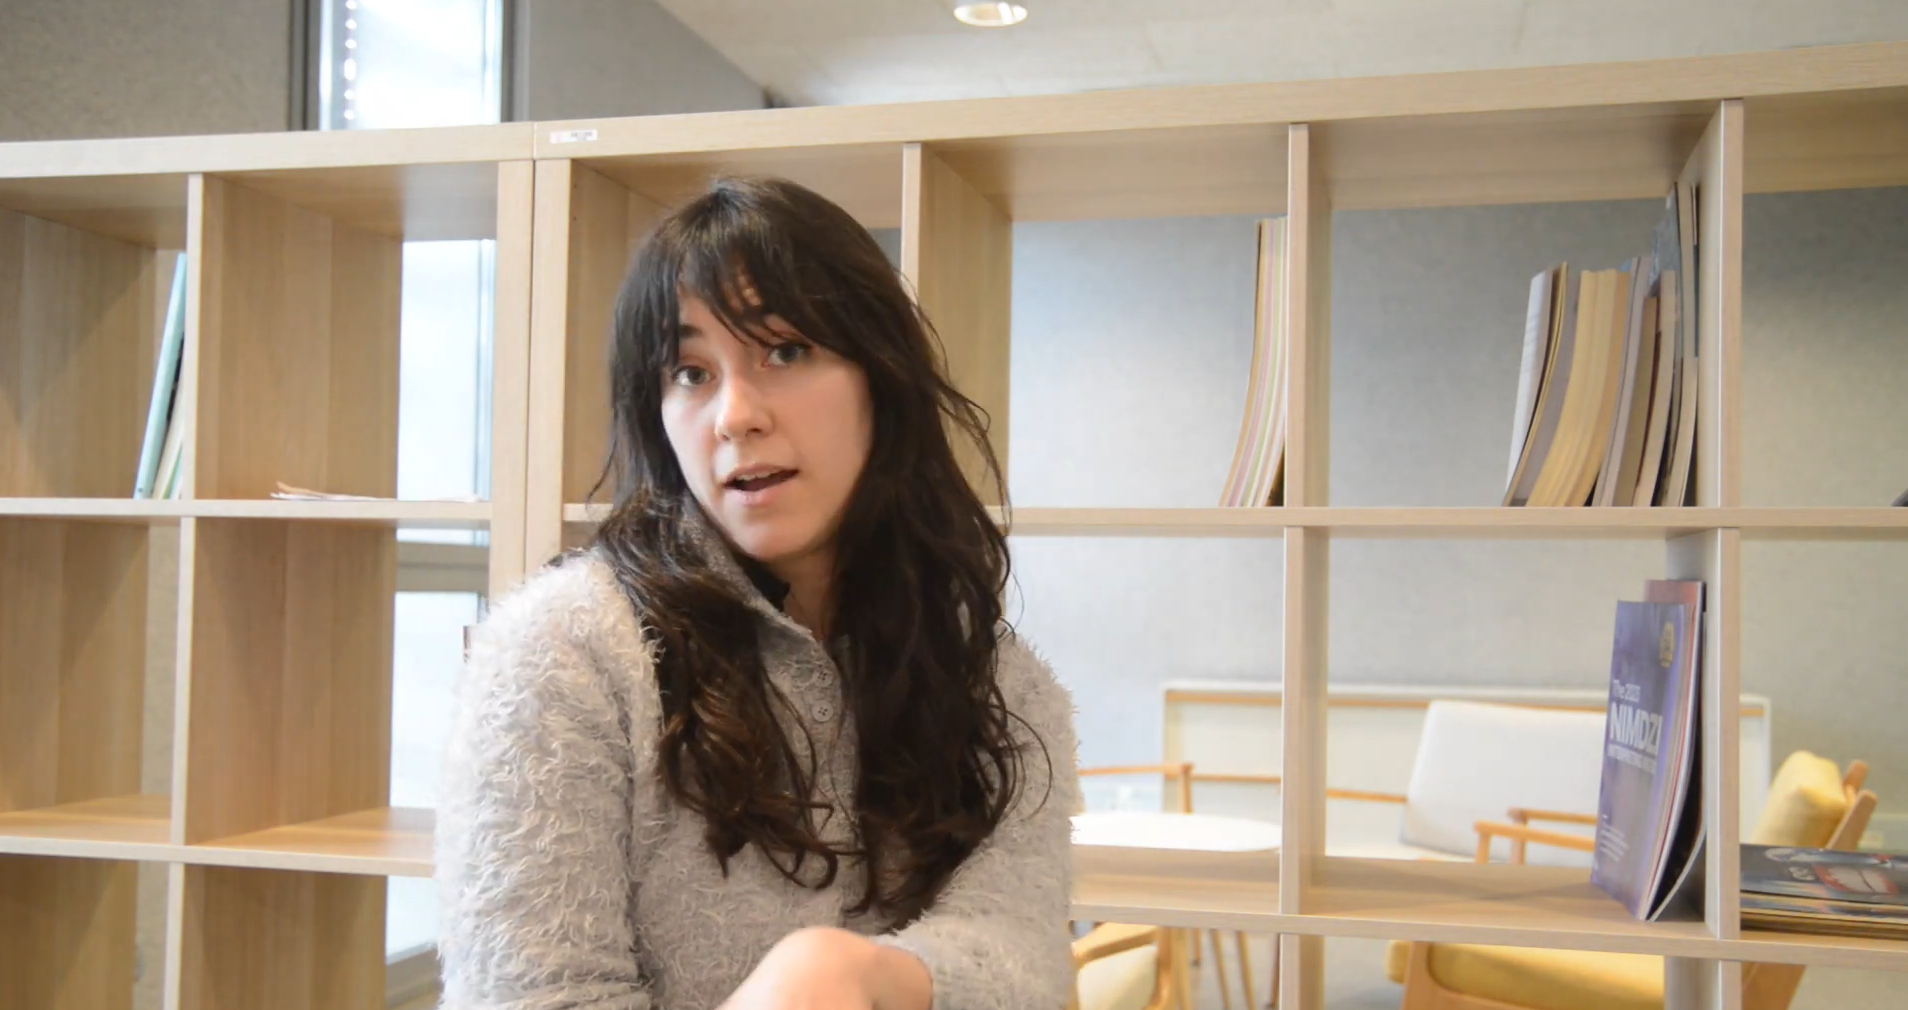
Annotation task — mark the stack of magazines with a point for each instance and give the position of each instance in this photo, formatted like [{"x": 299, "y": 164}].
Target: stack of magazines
[{"x": 1799, "y": 890}]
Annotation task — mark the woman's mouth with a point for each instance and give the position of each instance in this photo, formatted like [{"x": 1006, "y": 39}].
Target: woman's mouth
[{"x": 755, "y": 482}]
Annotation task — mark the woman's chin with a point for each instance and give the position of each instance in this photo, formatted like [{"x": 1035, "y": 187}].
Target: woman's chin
[{"x": 768, "y": 543}]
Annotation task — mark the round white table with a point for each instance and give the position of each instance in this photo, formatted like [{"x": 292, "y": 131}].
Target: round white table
[{"x": 1148, "y": 829}]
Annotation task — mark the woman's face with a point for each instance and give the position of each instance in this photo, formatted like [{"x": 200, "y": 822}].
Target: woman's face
[{"x": 771, "y": 436}]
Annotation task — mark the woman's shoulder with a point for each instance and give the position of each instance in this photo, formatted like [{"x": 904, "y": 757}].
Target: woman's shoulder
[
  {"x": 567, "y": 619},
  {"x": 1028, "y": 684}
]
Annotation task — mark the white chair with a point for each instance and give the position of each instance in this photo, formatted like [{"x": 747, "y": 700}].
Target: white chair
[{"x": 1486, "y": 762}]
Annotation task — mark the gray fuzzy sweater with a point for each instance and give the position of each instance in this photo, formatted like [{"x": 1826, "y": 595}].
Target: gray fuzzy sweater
[{"x": 568, "y": 879}]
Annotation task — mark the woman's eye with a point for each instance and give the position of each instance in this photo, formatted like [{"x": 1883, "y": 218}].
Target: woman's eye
[
  {"x": 689, "y": 375},
  {"x": 787, "y": 352}
]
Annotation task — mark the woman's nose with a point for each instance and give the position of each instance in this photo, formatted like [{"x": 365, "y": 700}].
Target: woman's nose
[{"x": 740, "y": 410}]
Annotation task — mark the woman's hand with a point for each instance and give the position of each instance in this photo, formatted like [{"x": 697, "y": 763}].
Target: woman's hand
[{"x": 821, "y": 968}]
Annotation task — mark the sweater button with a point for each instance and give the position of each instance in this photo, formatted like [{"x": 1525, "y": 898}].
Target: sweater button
[{"x": 823, "y": 711}]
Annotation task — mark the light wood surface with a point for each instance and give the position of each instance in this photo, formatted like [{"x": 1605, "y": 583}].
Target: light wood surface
[
  {"x": 295, "y": 350},
  {"x": 422, "y": 183},
  {"x": 1598, "y": 153},
  {"x": 1825, "y": 69},
  {"x": 384, "y": 841},
  {"x": 606, "y": 222},
  {"x": 285, "y": 716},
  {"x": 1716, "y": 168},
  {"x": 77, "y": 338},
  {"x": 1307, "y": 556},
  {"x": 1308, "y": 308},
  {"x": 425, "y": 184},
  {"x": 262, "y": 152},
  {"x": 1302, "y": 793},
  {"x": 416, "y": 202},
  {"x": 144, "y": 210},
  {"x": 291, "y": 941},
  {"x": 957, "y": 254},
  {"x": 1237, "y": 169},
  {"x": 1307, "y": 598},
  {"x": 1416, "y": 899},
  {"x": 1481, "y": 523},
  {"x": 1840, "y": 141},
  {"x": 1464, "y": 523},
  {"x": 587, "y": 226},
  {"x": 550, "y": 308},
  {"x": 384, "y": 512},
  {"x": 66, "y": 933},
  {"x": 381, "y": 841},
  {"x": 510, "y": 371},
  {"x": 116, "y": 827},
  {"x": 1716, "y": 559},
  {"x": 72, "y": 661},
  {"x": 1257, "y": 696},
  {"x": 864, "y": 179},
  {"x": 1307, "y": 570}
]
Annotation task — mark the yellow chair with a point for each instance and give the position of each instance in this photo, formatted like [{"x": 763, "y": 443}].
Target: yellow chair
[
  {"x": 1811, "y": 803},
  {"x": 1124, "y": 967},
  {"x": 1179, "y": 776}
]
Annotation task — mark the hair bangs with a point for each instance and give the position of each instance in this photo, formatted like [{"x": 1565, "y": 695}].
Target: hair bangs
[{"x": 734, "y": 259}]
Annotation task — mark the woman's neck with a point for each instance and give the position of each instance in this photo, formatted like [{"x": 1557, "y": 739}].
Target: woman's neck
[{"x": 810, "y": 601}]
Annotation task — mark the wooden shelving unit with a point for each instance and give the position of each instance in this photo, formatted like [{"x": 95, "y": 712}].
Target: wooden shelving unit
[{"x": 277, "y": 829}]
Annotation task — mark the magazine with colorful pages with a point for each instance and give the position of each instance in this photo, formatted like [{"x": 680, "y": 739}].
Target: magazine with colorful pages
[{"x": 1830, "y": 875}]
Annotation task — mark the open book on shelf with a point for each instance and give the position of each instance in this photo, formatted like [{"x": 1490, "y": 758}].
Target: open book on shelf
[
  {"x": 287, "y": 492},
  {"x": 1258, "y": 462},
  {"x": 1650, "y": 832},
  {"x": 1606, "y": 396}
]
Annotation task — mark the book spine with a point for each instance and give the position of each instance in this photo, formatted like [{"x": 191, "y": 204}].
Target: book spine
[{"x": 164, "y": 381}]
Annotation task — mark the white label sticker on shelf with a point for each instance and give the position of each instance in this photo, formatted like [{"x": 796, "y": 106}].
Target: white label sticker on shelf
[{"x": 572, "y": 136}]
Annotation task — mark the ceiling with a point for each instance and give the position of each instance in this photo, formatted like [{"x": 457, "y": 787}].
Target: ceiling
[{"x": 866, "y": 51}]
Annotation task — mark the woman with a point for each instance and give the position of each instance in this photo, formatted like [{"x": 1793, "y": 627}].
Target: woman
[{"x": 767, "y": 742}]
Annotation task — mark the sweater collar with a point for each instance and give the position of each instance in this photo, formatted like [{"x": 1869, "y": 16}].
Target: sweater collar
[{"x": 749, "y": 579}]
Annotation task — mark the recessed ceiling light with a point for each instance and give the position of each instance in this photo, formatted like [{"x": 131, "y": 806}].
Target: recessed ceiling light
[{"x": 990, "y": 15}]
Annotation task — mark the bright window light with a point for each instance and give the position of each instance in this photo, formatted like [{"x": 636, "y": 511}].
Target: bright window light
[{"x": 990, "y": 15}]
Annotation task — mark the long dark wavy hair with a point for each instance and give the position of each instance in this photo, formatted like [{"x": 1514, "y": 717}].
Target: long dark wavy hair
[{"x": 919, "y": 574}]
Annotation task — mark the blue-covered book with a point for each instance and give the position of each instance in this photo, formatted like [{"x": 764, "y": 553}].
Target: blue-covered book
[
  {"x": 165, "y": 381},
  {"x": 1649, "y": 815}
]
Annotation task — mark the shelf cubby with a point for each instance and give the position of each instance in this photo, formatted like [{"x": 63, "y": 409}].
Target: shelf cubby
[
  {"x": 73, "y": 627},
  {"x": 286, "y": 704},
  {"x": 68, "y": 932},
  {"x": 293, "y": 338},
  {"x": 300, "y": 940},
  {"x": 1822, "y": 240},
  {"x": 85, "y": 273},
  {"x": 295, "y": 326}
]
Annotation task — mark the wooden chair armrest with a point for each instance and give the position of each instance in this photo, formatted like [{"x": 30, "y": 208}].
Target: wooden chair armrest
[
  {"x": 1521, "y": 835},
  {"x": 1360, "y": 794},
  {"x": 1524, "y": 815},
  {"x": 1110, "y": 938}
]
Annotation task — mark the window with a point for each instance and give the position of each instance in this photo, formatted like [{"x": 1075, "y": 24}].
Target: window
[{"x": 387, "y": 64}]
